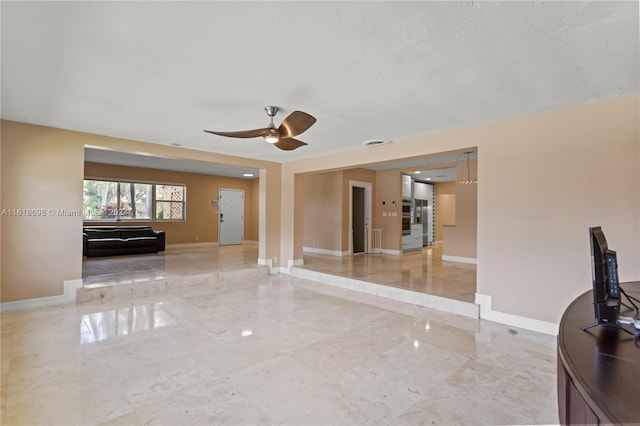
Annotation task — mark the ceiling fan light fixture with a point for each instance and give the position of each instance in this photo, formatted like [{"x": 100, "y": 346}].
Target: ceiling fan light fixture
[{"x": 281, "y": 137}]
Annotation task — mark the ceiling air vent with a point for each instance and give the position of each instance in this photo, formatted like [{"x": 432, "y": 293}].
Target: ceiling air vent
[{"x": 375, "y": 142}]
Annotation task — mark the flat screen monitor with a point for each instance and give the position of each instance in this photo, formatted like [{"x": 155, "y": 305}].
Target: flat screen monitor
[{"x": 606, "y": 308}]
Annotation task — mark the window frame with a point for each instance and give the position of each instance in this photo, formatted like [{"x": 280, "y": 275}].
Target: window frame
[
  {"x": 153, "y": 203},
  {"x": 182, "y": 202}
]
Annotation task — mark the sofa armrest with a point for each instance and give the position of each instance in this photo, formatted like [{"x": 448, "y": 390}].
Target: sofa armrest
[
  {"x": 161, "y": 239},
  {"x": 85, "y": 239}
]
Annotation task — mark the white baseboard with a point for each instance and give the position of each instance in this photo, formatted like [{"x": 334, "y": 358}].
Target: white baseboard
[
  {"x": 391, "y": 252},
  {"x": 265, "y": 262},
  {"x": 487, "y": 313},
  {"x": 191, "y": 245},
  {"x": 205, "y": 244},
  {"x": 69, "y": 296},
  {"x": 273, "y": 270},
  {"x": 316, "y": 250},
  {"x": 295, "y": 262},
  {"x": 466, "y": 309},
  {"x": 460, "y": 259}
]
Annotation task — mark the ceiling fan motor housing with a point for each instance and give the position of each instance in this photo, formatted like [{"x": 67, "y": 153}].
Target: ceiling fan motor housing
[{"x": 271, "y": 111}]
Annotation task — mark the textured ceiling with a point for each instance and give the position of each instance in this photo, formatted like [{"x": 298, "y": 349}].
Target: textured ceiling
[{"x": 163, "y": 71}]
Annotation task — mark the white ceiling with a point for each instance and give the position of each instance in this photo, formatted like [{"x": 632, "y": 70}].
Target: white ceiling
[
  {"x": 434, "y": 168},
  {"x": 151, "y": 162},
  {"x": 162, "y": 72}
]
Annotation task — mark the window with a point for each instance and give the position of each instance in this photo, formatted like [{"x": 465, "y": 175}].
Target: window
[
  {"x": 113, "y": 200},
  {"x": 169, "y": 202}
]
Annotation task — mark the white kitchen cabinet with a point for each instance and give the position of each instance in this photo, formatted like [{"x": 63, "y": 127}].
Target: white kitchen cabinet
[
  {"x": 407, "y": 184},
  {"x": 421, "y": 191},
  {"x": 424, "y": 195},
  {"x": 413, "y": 241}
]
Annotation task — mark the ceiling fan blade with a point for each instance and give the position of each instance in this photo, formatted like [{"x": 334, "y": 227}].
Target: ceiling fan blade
[
  {"x": 289, "y": 144},
  {"x": 296, "y": 123},
  {"x": 243, "y": 134}
]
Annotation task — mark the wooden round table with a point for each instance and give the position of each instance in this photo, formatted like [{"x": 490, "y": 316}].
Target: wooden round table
[{"x": 598, "y": 369}]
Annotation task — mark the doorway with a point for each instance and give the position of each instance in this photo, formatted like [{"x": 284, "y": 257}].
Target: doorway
[
  {"x": 230, "y": 216},
  {"x": 358, "y": 219},
  {"x": 360, "y": 216}
]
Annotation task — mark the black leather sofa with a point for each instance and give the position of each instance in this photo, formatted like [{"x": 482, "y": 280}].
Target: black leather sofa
[{"x": 119, "y": 240}]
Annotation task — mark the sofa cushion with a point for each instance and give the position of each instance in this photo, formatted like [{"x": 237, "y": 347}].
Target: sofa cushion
[
  {"x": 105, "y": 243},
  {"x": 99, "y": 233},
  {"x": 133, "y": 233},
  {"x": 116, "y": 240},
  {"x": 142, "y": 242}
]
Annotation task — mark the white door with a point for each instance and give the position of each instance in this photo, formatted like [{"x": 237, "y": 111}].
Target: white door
[{"x": 230, "y": 216}]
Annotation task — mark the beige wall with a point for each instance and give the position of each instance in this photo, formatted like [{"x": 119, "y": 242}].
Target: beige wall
[
  {"x": 41, "y": 169},
  {"x": 388, "y": 188},
  {"x": 201, "y": 223},
  {"x": 1, "y": 206},
  {"x": 326, "y": 201},
  {"x": 461, "y": 240},
  {"x": 253, "y": 234},
  {"x": 360, "y": 175},
  {"x": 445, "y": 206},
  {"x": 44, "y": 168},
  {"x": 323, "y": 210},
  {"x": 298, "y": 217},
  {"x": 543, "y": 180}
]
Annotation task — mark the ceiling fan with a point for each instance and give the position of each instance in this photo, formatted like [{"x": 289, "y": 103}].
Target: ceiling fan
[{"x": 282, "y": 137}]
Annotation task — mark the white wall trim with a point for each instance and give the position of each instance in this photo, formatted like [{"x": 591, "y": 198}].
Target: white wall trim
[
  {"x": 391, "y": 252},
  {"x": 368, "y": 209},
  {"x": 69, "y": 296},
  {"x": 190, "y": 245},
  {"x": 487, "y": 313},
  {"x": 460, "y": 259},
  {"x": 295, "y": 262},
  {"x": 269, "y": 263},
  {"x": 316, "y": 250},
  {"x": 466, "y": 309},
  {"x": 265, "y": 262}
]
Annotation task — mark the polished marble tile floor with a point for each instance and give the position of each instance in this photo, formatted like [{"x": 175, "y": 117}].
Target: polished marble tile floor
[
  {"x": 422, "y": 271},
  {"x": 175, "y": 262},
  {"x": 270, "y": 350}
]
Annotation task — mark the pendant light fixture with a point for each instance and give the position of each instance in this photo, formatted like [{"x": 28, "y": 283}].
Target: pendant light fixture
[{"x": 468, "y": 180}]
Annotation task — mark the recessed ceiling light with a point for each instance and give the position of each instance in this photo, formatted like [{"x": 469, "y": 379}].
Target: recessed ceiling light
[
  {"x": 428, "y": 178},
  {"x": 417, "y": 173},
  {"x": 248, "y": 175}
]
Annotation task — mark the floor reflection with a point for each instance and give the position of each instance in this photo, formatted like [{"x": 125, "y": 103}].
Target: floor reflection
[
  {"x": 118, "y": 322},
  {"x": 423, "y": 271}
]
